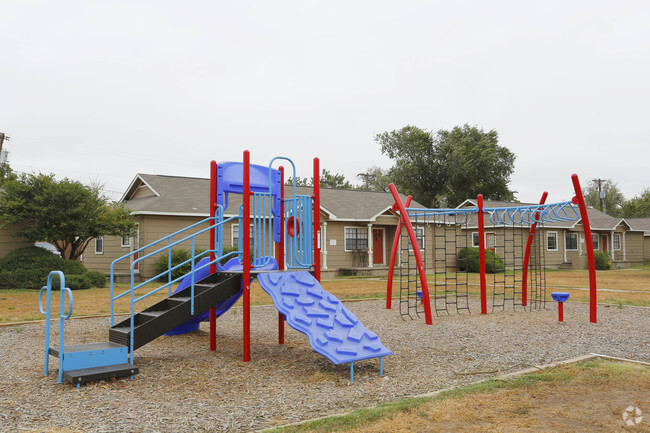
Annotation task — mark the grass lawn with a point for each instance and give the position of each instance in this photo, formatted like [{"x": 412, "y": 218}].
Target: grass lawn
[
  {"x": 618, "y": 287},
  {"x": 586, "y": 396}
]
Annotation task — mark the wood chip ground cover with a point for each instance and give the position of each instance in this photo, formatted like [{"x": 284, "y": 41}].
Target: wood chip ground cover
[{"x": 184, "y": 387}]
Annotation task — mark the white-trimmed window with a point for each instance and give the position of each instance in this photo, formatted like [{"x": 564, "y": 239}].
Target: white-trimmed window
[
  {"x": 595, "y": 239},
  {"x": 419, "y": 235},
  {"x": 99, "y": 245},
  {"x": 571, "y": 241},
  {"x": 235, "y": 236},
  {"x": 475, "y": 240},
  {"x": 356, "y": 238},
  {"x": 125, "y": 242},
  {"x": 616, "y": 241},
  {"x": 551, "y": 241}
]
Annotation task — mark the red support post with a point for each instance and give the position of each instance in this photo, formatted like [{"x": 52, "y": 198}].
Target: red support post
[
  {"x": 279, "y": 252},
  {"x": 529, "y": 243},
  {"x": 481, "y": 253},
  {"x": 244, "y": 230},
  {"x": 213, "y": 267},
  {"x": 416, "y": 252},
  {"x": 393, "y": 255},
  {"x": 316, "y": 218},
  {"x": 580, "y": 201}
]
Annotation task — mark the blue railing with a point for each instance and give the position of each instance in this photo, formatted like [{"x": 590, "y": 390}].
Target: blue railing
[
  {"x": 62, "y": 318},
  {"x": 519, "y": 215},
  {"x": 165, "y": 245}
]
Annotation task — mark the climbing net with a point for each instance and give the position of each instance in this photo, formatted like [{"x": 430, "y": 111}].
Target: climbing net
[{"x": 445, "y": 237}]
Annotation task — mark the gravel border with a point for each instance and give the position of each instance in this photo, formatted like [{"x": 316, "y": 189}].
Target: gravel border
[{"x": 184, "y": 387}]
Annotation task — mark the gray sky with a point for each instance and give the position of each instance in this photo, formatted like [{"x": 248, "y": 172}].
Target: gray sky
[{"x": 102, "y": 90}]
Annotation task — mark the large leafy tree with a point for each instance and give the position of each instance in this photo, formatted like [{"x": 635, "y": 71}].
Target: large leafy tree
[
  {"x": 612, "y": 201},
  {"x": 64, "y": 213},
  {"x": 448, "y": 167},
  {"x": 638, "y": 206}
]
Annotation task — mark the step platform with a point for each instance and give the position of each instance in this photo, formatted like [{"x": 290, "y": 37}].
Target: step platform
[
  {"x": 85, "y": 375},
  {"x": 96, "y": 361}
]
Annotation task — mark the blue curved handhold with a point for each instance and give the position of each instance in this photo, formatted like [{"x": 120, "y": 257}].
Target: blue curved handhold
[{"x": 560, "y": 296}]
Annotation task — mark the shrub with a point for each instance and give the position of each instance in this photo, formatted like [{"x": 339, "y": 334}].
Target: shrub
[
  {"x": 29, "y": 267},
  {"x": 78, "y": 282},
  {"x": 97, "y": 279},
  {"x": 469, "y": 261},
  {"x": 179, "y": 255},
  {"x": 602, "y": 261}
]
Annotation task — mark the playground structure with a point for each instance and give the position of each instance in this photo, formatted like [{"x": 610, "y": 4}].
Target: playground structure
[
  {"x": 282, "y": 249},
  {"x": 519, "y": 277}
]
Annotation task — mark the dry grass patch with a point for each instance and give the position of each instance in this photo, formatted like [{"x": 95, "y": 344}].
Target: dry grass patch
[{"x": 592, "y": 395}]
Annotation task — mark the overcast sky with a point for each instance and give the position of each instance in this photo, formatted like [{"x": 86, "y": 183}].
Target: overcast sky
[{"x": 98, "y": 91}]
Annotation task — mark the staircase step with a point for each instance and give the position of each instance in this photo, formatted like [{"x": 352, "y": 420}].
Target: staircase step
[
  {"x": 92, "y": 347},
  {"x": 84, "y": 375},
  {"x": 153, "y": 313}
]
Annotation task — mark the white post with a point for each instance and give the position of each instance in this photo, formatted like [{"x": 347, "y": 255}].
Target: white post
[
  {"x": 370, "y": 253},
  {"x": 624, "y": 248},
  {"x": 324, "y": 245}
]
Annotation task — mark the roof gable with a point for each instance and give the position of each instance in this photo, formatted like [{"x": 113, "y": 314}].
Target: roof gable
[{"x": 177, "y": 195}]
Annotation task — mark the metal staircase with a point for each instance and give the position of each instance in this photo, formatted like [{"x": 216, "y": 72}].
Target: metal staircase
[{"x": 176, "y": 310}]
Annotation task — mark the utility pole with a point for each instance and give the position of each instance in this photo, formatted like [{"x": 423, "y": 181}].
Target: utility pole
[
  {"x": 600, "y": 193},
  {"x": 366, "y": 177},
  {"x": 3, "y": 137}
]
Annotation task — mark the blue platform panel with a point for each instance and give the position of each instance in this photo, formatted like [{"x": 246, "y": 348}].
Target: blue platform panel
[{"x": 333, "y": 330}]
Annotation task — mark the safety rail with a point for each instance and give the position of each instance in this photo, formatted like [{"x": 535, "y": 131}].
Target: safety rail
[
  {"x": 214, "y": 223},
  {"x": 62, "y": 317},
  {"x": 520, "y": 215},
  {"x": 531, "y": 214}
]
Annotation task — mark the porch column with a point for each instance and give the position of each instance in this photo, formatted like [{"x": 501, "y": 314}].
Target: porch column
[
  {"x": 611, "y": 245},
  {"x": 624, "y": 248},
  {"x": 324, "y": 244},
  {"x": 370, "y": 253}
]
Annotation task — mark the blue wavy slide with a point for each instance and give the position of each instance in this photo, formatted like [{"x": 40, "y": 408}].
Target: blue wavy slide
[{"x": 333, "y": 330}]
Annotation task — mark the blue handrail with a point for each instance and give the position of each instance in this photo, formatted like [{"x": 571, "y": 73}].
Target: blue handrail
[
  {"x": 62, "y": 318},
  {"x": 165, "y": 244}
]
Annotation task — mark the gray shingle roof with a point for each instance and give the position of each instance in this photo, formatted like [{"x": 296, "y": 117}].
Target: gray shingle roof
[
  {"x": 190, "y": 196},
  {"x": 640, "y": 224}
]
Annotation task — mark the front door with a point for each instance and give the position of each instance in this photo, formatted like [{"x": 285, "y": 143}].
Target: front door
[
  {"x": 604, "y": 243},
  {"x": 377, "y": 247}
]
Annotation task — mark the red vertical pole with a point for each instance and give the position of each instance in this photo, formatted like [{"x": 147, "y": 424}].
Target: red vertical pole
[
  {"x": 580, "y": 201},
  {"x": 393, "y": 255},
  {"x": 529, "y": 243},
  {"x": 245, "y": 238},
  {"x": 279, "y": 253},
  {"x": 416, "y": 252},
  {"x": 213, "y": 267},
  {"x": 481, "y": 253},
  {"x": 316, "y": 218},
  {"x": 560, "y": 311}
]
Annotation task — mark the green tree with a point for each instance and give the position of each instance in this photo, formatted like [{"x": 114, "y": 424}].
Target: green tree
[
  {"x": 327, "y": 180},
  {"x": 64, "y": 213},
  {"x": 449, "y": 167},
  {"x": 613, "y": 200},
  {"x": 637, "y": 207},
  {"x": 375, "y": 179}
]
